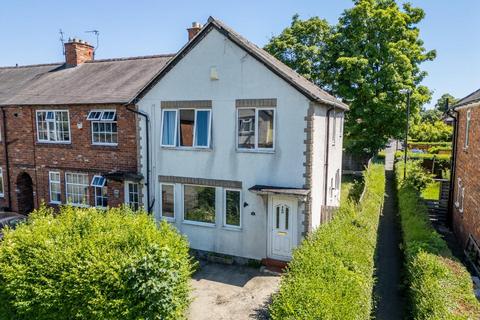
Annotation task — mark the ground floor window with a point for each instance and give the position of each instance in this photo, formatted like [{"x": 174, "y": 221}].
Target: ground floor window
[
  {"x": 199, "y": 204},
  {"x": 2, "y": 193},
  {"x": 168, "y": 201},
  {"x": 232, "y": 208},
  {"x": 77, "y": 188},
  {"x": 132, "y": 195},
  {"x": 55, "y": 187},
  {"x": 101, "y": 197}
]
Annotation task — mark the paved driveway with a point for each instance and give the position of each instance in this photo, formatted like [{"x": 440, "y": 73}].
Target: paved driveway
[{"x": 231, "y": 292}]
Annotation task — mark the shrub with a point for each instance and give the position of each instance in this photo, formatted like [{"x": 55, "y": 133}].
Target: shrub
[
  {"x": 331, "y": 273},
  {"x": 93, "y": 264},
  {"x": 439, "y": 286},
  {"x": 417, "y": 176}
]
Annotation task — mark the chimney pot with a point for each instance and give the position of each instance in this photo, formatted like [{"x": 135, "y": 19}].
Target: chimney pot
[
  {"x": 77, "y": 52},
  {"x": 194, "y": 30}
]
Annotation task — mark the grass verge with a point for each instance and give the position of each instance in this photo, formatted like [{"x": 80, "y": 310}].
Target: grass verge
[{"x": 331, "y": 273}]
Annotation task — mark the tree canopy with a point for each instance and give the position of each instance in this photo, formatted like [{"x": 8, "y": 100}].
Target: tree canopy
[
  {"x": 442, "y": 102},
  {"x": 367, "y": 59}
]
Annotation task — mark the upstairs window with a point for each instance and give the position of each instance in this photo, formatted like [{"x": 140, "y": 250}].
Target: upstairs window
[
  {"x": 190, "y": 128},
  {"x": 104, "y": 127},
  {"x": 53, "y": 126},
  {"x": 255, "y": 128},
  {"x": 467, "y": 129}
]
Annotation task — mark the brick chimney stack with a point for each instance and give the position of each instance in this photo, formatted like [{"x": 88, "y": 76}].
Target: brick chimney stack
[
  {"x": 194, "y": 30},
  {"x": 77, "y": 52}
]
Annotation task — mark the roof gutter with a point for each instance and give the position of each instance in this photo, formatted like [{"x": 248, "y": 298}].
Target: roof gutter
[{"x": 147, "y": 134}]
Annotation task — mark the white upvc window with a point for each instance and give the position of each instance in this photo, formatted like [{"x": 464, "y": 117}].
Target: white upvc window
[
  {"x": 467, "y": 129},
  {"x": 76, "y": 189},
  {"x": 256, "y": 129},
  {"x": 100, "y": 191},
  {"x": 460, "y": 195},
  {"x": 104, "y": 127},
  {"x": 334, "y": 127},
  {"x": 132, "y": 195},
  {"x": 186, "y": 128},
  {"x": 167, "y": 201},
  {"x": 53, "y": 126},
  {"x": 199, "y": 204},
  {"x": 2, "y": 192},
  {"x": 232, "y": 208},
  {"x": 55, "y": 187}
]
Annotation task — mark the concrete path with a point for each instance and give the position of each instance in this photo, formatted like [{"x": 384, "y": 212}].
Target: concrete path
[
  {"x": 389, "y": 259},
  {"x": 231, "y": 292}
]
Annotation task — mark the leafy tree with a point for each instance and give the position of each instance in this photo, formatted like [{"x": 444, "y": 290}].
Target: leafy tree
[
  {"x": 437, "y": 131},
  {"x": 367, "y": 59},
  {"x": 431, "y": 115},
  {"x": 442, "y": 102}
]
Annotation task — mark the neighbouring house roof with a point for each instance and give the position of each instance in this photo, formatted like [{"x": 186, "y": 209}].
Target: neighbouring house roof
[
  {"x": 98, "y": 81},
  {"x": 260, "y": 189},
  {"x": 471, "y": 98},
  {"x": 306, "y": 87}
]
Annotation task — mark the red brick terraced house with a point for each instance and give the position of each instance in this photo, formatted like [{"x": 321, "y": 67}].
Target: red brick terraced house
[
  {"x": 465, "y": 178},
  {"x": 69, "y": 130}
]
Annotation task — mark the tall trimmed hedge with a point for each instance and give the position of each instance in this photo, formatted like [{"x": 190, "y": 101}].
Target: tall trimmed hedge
[
  {"x": 439, "y": 286},
  {"x": 93, "y": 264},
  {"x": 331, "y": 273}
]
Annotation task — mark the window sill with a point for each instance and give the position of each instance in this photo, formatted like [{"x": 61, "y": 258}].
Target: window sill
[
  {"x": 172, "y": 220},
  {"x": 200, "y": 224},
  {"x": 265, "y": 151},
  {"x": 105, "y": 146},
  {"x": 55, "y": 203},
  {"x": 187, "y": 148},
  {"x": 232, "y": 228},
  {"x": 53, "y": 144}
]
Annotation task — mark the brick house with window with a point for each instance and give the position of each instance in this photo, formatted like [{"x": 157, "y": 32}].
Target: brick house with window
[
  {"x": 465, "y": 177},
  {"x": 69, "y": 130}
]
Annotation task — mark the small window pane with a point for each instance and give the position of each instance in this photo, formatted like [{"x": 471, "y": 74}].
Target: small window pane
[
  {"x": 286, "y": 218},
  {"x": 169, "y": 127},
  {"x": 199, "y": 204},
  {"x": 108, "y": 115},
  {"x": 133, "y": 195},
  {"x": 187, "y": 123},
  {"x": 202, "y": 129},
  {"x": 232, "y": 203},
  {"x": 168, "y": 201},
  {"x": 94, "y": 115},
  {"x": 246, "y": 128},
  {"x": 278, "y": 218},
  {"x": 265, "y": 129}
]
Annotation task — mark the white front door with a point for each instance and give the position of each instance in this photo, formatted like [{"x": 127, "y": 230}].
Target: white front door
[{"x": 282, "y": 227}]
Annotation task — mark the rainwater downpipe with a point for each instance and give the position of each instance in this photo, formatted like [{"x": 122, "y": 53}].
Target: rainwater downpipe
[{"x": 147, "y": 135}]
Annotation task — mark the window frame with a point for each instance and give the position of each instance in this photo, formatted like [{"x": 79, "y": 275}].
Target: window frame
[
  {"x": 95, "y": 189},
  {"x": 161, "y": 202},
  {"x": 176, "y": 138},
  {"x": 225, "y": 224},
  {"x": 2, "y": 184},
  {"x": 193, "y": 222},
  {"x": 467, "y": 129},
  {"x": 127, "y": 194},
  {"x": 59, "y": 182},
  {"x": 87, "y": 204},
  {"x": 334, "y": 128},
  {"x": 101, "y": 120},
  {"x": 274, "y": 130},
  {"x": 69, "y": 141}
]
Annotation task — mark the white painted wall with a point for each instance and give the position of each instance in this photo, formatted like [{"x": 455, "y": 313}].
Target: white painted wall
[{"x": 240, "y": 77}]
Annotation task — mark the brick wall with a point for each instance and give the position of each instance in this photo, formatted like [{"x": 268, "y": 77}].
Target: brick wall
[
  {"x": 468, "y": 170},
  {"x": 36, "y": 159}
]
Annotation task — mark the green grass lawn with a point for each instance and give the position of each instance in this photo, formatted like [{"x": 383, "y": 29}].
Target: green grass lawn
[
  {"x": 432, "y": 191},
  {"x": 352, "y": 187}
]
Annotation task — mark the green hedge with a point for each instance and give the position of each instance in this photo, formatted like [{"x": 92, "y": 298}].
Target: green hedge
[
  {"x": 439, "y": 286},
  {"x": 93, "y": 264},
  {"x": 331, "y": 273},
  {"x": 423, "y": 156},
  {"x": 412, "y": 144}
]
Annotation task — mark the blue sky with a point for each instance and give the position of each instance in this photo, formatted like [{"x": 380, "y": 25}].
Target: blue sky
[{"x": 29, "y": 29}]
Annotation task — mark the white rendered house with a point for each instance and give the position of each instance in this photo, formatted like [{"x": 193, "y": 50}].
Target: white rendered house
[{"x": 243, "y": 154}]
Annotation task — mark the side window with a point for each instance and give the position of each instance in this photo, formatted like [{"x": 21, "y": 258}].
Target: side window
[
  {"x": 232, "y": 208},
  {"x": 334, "y": 128},
  {"x": 53, "y": 126},
  {"x": 104, "y": 127},
  {"x": 467, "y": 129},
  {"x": 100, "y": 191},
  {"x": 255, "y": 128},
  {"x": 2, "y": 193},
  {"x": 168, "y": 201},
  {"x": 55, "y": 187},
  {"x": 132, "y": 195}
]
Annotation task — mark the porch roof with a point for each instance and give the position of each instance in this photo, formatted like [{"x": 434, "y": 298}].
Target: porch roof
[{"x": 261, "y": 189}]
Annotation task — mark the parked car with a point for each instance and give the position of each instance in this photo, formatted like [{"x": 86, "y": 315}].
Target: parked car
[{"x": 11, "y": 220}]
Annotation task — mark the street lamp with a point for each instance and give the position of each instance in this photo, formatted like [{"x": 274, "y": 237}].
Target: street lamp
[{"x": 408, "y": 93}]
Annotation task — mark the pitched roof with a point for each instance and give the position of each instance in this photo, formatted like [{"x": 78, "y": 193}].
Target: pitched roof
[
  {"x": 99, "y": 81},
  {"x": 471, "y": 98},
  {"x": 306, "y": 87}
]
